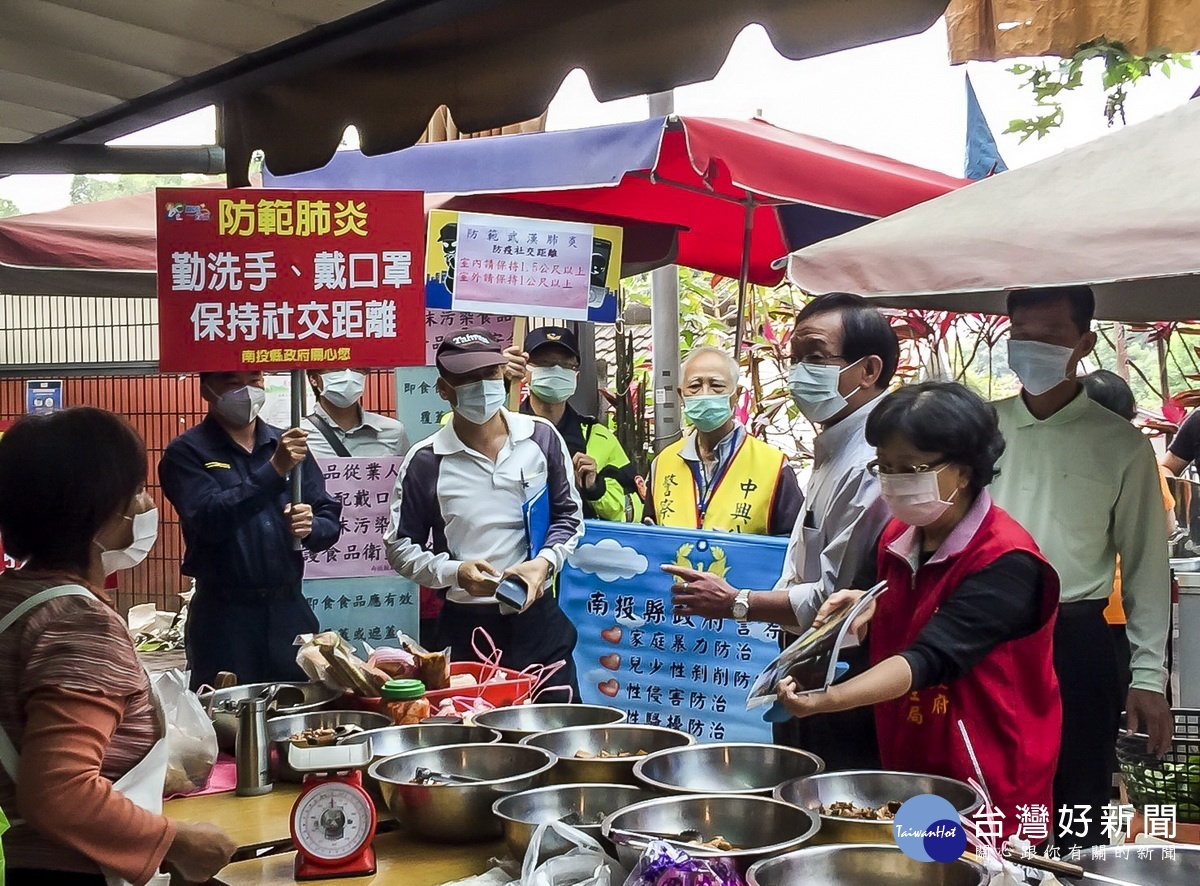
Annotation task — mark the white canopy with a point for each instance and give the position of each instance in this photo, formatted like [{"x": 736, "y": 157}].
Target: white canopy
[{"x": 1121, "y": 213}]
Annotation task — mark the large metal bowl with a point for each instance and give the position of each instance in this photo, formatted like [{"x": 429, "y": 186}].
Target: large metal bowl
[
  {"x": 459, "y": 813},
  {"x": 520, "y": 721},
  {"x": 392, "y": 740},
  {"x": 870, "y": 788},
  {"x": 1157, "y": 870},
  {"x": 222, "y": 705},
  {"x": 523, "y": 812},
  {"x": 862, "y": 865},
  {"x": 620, "y": 738},
  {"x": 280, "y": 729},
  {"x": 759, "y": 826},
  {"x": 728, "y": 768}
]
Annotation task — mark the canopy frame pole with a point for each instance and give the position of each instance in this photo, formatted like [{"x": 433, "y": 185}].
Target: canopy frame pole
[
  {"x": 744, "y": 276},
  {"x": 297, "y": 476}
]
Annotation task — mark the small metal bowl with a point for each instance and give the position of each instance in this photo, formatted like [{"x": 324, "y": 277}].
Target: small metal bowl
[
  {"x": 280, "y": 729},
  {"x": 222, "y": 705},
  {"x": 729, "y": 768},
  {"x": 619, "y": 738},
  {"x": 871, "y": 788},
  {"x": 523, "y": 812},
  {"x": 459, "y": 813},
  {"x": 862, "y": 864},
  {"x": 759, "y": 826},
  {"x": 520, "y": 721}
]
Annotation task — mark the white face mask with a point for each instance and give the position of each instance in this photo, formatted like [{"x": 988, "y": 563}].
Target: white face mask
[
  {"x": 1038, "y": 365},
  {"x": 814, "y": 389},
  {"x": 478, "y": 401},
  {"x": 553, "y": 384},
  {"x": 145, "y": 533},
  {"x": 343, "y": 388},
  {"x": 914, "y": 498},
  {"x": 240, "y": 406}
]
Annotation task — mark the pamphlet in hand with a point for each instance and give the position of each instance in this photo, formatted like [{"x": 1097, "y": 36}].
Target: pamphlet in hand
[{"x": 812, "y": 660}]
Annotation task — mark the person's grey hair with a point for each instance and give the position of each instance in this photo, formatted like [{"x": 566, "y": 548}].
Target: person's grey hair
[{"x": 732, "y": 370}]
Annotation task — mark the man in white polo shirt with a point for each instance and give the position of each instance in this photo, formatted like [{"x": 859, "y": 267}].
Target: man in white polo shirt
[{"x": 458, "y": 513}]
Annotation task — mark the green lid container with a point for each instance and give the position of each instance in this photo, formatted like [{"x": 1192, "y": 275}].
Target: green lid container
[{"x": 403, "y": 689}]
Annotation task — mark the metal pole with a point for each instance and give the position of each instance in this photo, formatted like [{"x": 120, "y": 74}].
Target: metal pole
[
  {"x": 743, "y": 278},
  {"x": 664, "y": 322},
  {"x": 297, "y": 476}
]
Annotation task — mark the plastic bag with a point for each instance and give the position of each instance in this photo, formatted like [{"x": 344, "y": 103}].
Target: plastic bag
[
  {"x": 191, "y": 739},
  {"x": 662, "y": 864},
  {"x": 328, "y": 659},
  {"x": 585, "y": 865}
]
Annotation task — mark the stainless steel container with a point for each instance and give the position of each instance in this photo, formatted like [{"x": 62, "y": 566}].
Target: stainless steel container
[
  {"x": 459, "y": 813},
  {"x": 252, "y": 752},
  {"x": 392, "y": 740},
  {"x": 619, "y": 738},
  {"x": 728, "y": 768},
  {"x": 520, "y": 721},
  {"x": 862, "y": 865},
  {"x": 522, "y": 813},
  {"x": 222, "y": 705},
  {"x": 280, "y": 729},
  {"x": 872, "y": 788},
  {"x": 759, "y": 827}
]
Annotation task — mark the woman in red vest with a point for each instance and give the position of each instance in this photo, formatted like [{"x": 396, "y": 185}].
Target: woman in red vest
[{"x": 964, "y": 630}]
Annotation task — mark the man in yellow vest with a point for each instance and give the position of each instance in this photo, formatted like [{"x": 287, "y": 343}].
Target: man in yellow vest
[{"x": 719, "y": 476}]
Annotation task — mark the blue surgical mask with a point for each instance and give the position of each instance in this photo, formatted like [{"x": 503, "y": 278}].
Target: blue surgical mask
[
  {"x": 707, "y": 412},
  {"x": 815, "y": 390},
  {"x": 478, "y": 401},
  {"x": 552, "y": 384}
]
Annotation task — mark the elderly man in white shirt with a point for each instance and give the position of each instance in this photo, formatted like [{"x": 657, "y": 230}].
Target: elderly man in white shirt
[
  {"x": 844, "y": 354},
  {"x": 459, "y": 515}
]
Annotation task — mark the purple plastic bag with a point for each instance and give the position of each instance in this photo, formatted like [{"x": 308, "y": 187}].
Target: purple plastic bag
[{"x": 662, "y": 864}]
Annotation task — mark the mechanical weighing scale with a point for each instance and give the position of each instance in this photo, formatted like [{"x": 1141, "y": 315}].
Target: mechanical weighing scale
[{"x": 333, "y": 820}]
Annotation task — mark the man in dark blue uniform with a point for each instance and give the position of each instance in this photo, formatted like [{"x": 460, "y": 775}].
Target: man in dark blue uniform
[{"x": 228, "y": 479}]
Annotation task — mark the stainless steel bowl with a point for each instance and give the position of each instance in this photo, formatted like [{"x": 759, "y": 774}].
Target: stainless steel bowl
[
  {"x": 619, "y": 738},
  {"x": 759, "y": 826},
  {"x": 729, "y": 768},
  {"x": 862, "y": 864},
  {"x": 459, "y": 813},
  {"x": 870, "y": 788},
  {"x": 520, "y": 721},
  {"x": 1182, "y": 870},
  {"x": 280, "y": 729},
  {"x": 523, "y": 812},
  {"x": 392, "y": 740},
  {"x": 224, "y": 702}
]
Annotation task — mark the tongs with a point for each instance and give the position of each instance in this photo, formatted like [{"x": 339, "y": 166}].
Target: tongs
[{"x": 423, "y": 775}]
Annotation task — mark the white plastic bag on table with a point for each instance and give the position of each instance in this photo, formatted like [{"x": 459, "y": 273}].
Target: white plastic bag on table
[
  {"x": 191, "y": 739},
  {"x": 585, "y": 865}
]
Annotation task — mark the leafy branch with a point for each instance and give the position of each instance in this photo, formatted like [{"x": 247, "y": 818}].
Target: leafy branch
[{"x": 1122, "y": 69}]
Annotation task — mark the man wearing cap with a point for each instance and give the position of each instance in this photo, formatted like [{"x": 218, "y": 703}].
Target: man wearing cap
[
  {"x": 459, "y": 513},
  {"x": 605, "y": 478},
  {"x": 340, "y": 427}
]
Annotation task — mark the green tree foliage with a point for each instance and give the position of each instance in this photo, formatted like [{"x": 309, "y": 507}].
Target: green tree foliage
[
  {"x": 8, "y": 208},
  {"x": 91, "y": 188}
]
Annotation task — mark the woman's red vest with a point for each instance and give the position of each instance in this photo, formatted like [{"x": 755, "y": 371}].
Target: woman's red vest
[{"x": 1009, "y": 702}]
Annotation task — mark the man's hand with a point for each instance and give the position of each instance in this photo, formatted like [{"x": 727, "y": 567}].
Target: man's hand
[
  {"x": 518, "y": 362},
  {"x": 534, "y": 573},
  {"x": 290, "y": 451},
  {"x": 301, "y": 518},
  {"x": 586, "y": 471},
  {"x": 1148, "y": 712},
  {"x": 700, "y": 593},
  {"x": 846, "y": 598},
  {"x": 199, "y": 851},
  {"x": 807, "y": 704},
  {"x": 478, "y": 578}
]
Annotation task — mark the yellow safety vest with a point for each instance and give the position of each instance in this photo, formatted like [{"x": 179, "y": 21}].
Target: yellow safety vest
[{"x": 739, "y": 499}]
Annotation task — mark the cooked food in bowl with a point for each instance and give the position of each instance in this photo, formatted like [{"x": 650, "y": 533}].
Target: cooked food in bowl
[
  {"x": 846, "y": 809},
  {"x": 605, "y": 754}
]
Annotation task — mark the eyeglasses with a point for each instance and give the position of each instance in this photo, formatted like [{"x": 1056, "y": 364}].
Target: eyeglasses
[
  {"x": 877, "y": 469},
  {"x": 818, "y": 359}
]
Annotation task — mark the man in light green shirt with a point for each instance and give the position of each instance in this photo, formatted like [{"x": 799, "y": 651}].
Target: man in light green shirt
[{"x": 1084, "y": 483}]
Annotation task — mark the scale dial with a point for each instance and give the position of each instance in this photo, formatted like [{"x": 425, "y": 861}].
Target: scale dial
[{"x": 333, "y": 821}]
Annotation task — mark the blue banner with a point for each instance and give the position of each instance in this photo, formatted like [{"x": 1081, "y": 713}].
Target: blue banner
[{"x": 690, "y": 674}]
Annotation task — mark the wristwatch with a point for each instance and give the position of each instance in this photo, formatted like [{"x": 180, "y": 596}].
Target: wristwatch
[{"x": 741, "y": 605}]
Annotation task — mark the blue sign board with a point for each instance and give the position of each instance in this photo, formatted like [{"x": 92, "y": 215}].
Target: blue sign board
[
  {"x": 691, "y": 674},
  {"x": 43, "y": 396}
]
